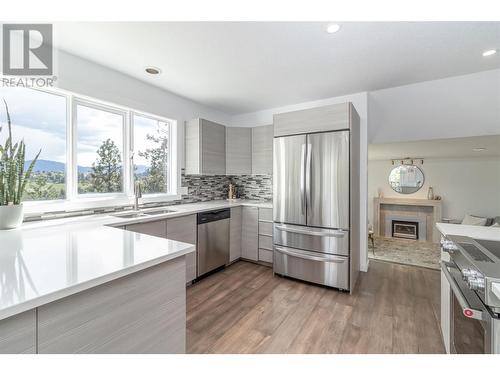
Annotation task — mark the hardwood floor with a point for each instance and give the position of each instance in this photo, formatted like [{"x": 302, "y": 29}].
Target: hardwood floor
[{"x": 245, "y": 309}]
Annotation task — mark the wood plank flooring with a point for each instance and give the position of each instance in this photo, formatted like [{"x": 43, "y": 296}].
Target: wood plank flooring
[{"x": 245, "y": 309}]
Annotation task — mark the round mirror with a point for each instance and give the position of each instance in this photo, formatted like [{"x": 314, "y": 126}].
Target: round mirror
[{"x": 406, "y": 179}]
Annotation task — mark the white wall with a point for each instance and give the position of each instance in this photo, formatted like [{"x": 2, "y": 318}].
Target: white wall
[
  {"x": 460, "y": 106},
  {"x": 467, "y": 185},
  {"x": 88, "y": 78},
  {"x": 360, "y": 102}
]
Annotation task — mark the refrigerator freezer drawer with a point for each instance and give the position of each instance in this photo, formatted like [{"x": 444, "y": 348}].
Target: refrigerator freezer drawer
[
  {"x": 330, "y": 241},
  {"x": 324, "y": 269}
]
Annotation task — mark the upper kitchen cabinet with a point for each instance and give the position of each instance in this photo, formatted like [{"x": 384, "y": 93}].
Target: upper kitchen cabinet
[
  {"x": 205, "y": 147},
  {"x": 238, "y": 151},
  {"x": 262, "y": 149},
  {"x": 321, "y": 119}
]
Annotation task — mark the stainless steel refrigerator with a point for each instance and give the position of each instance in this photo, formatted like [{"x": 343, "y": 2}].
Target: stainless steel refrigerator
[{"x": 311, "y": 198}]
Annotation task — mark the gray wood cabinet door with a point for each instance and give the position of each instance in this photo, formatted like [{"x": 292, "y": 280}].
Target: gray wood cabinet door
[
  {"x": 262, "y": 149},
  {"x": 250, "y": 233},
  {"x": 238, "y": 151},
  {"x": 205, "y": 147},
  {"x": 18, "y": 334},
  {"x": 312, "y": 120},
  {"x": 192, "y": 144},
  {"x": 153, "y": 228},
  {"x": 213, "y": 148},
  {"x": 235, "y": 234},
  {"x": 141, "y": 313},
  {"x": 184, "y": 229}
]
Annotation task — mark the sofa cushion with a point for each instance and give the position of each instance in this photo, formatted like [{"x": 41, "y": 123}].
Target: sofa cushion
[{"x": 474, "y": 220}]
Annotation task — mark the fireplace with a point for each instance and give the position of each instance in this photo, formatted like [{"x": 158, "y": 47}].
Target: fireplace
[{"x": 405, "y": 229}]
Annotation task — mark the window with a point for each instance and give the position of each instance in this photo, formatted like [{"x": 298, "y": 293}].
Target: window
[
  {"x": 91, "y": 152},
  {"x": 150, "y": 153},
  {"x": 40, "y": 119},
  {"x": 99, "y": 158}
]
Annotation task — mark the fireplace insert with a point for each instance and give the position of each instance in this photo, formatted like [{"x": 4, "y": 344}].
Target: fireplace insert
[{"x": 405, "y": 229}]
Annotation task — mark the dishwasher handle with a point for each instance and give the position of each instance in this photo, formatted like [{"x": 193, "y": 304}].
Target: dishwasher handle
[{"x": 210, "y": 216}]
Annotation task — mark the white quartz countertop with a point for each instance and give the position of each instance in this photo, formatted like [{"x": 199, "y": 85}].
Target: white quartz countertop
[
  {"x": 473, "y": 231},
  {"x": 47, "y": 260},
  {"x": 39, "y": 266},
  {"x": 177, "y": 210}
]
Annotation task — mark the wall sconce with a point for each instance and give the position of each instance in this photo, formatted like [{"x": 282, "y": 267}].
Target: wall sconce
[{"x": 407, "y": 161}]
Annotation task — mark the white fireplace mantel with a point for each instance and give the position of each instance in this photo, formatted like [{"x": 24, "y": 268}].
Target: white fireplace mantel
[{"x": 409, "y": 208}]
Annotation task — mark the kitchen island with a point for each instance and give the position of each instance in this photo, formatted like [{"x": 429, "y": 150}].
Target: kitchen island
[{"x": 68, "y": 289}]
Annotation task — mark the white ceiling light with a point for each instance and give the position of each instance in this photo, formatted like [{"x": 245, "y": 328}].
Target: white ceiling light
[
  {"x": 489, "y": 52},
  {"x": 333, "y": 28},
  {"x": 152, "y": 70},
  {"x": 479, "y": 149}
]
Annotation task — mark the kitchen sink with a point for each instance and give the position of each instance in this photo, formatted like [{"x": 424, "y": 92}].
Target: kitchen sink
[{"x": 131, "y": 215}]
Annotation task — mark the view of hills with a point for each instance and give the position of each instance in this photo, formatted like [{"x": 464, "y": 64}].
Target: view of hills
[{"x": 56, "y": 166}]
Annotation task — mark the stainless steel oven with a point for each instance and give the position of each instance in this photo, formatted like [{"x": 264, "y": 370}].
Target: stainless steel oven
[{"x": 474, "y": 325}]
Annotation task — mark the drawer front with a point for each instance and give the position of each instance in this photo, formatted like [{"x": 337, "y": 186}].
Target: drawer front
[
  {"x": 265, "y": 228},
  {"x": 324, "y": 269},
  {"x": 266, "y": 255},
  {"x": 329, "y": 241},
  {"x": 265, "y": 242},
  {"x": 266, "y": 214}
]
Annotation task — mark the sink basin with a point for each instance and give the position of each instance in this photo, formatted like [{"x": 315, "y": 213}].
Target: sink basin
[
  {"x": 159, "y": 211},
  {"x": 130, "y": 215}
]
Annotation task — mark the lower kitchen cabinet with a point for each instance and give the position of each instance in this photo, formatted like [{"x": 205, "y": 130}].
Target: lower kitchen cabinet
[
  {"x": 179, "y": 229},
  {"x": 184, "y": 229},
  {"x": 250, "y": 233},
  {"x": 265, "y": 255},
  {"x": 266, "y": 235},
  {"x": 141, "y": 313},
  {"x": 153, "y": 228},
  {"x": 18, "y": 334},
  {"x": 235, "y": 234}
]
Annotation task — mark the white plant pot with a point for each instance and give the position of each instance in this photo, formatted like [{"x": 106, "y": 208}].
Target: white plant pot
[{"x": 11, "y": 216}]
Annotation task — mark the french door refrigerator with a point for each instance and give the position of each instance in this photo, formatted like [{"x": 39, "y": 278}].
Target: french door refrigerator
[{"x": 311, "y": 207}]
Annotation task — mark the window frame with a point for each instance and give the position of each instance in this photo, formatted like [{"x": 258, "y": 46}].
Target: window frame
[
  {"x": 74, "y": 165},
  {"x": 169, "y": 157},
  {"x": 76, "y": 201}
]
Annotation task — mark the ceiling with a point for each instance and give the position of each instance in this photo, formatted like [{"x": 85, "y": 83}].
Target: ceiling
[
  {"x": 437, "y": 148},
  {"x": 240, "y": 67}
]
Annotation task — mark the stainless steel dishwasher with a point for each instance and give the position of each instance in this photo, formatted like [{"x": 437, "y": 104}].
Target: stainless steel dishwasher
[{"x": 213, "y": 240}]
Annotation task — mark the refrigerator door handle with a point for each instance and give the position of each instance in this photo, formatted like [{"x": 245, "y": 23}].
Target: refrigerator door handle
[
  {"x": 330, "y": 233},
  {"x": 300, "y": 254},
  {"x": 308, "y": 177},
  {"x": 302, "y": 179}
]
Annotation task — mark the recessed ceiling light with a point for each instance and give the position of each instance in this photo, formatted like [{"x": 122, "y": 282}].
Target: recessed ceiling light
[
  {"x": 489, "y": 52},
  {"x": 153, "y": 70},
  {"x": 333, "y": 28},
  {"x": 479, "y": 149}
]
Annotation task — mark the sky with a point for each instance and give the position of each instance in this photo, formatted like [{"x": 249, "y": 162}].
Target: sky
[{"x": 40, "y": 119}]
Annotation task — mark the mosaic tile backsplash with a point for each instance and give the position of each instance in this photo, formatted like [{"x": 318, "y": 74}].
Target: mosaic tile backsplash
[{"x": 203, "y": 188}]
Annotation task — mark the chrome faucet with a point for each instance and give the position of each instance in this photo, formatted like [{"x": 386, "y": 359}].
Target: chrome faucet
[{"x": 137, "y": 194}]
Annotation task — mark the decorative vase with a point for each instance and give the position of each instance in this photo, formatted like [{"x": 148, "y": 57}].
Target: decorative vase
[
  {"x": 430, "y": 193},
  {"x": 11, "y": 216}
]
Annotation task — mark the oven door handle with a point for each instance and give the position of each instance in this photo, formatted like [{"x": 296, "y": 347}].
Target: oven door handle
[{"x": 468, "y": 311}]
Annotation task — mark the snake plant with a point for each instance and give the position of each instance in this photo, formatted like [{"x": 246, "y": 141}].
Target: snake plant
[{"x": 13, "y": 176}]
